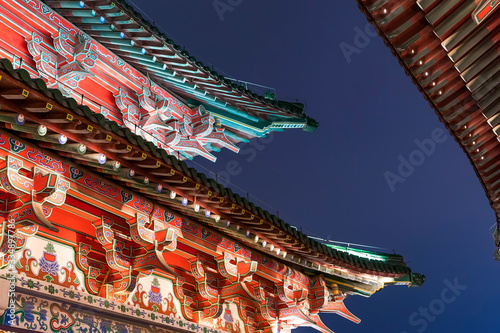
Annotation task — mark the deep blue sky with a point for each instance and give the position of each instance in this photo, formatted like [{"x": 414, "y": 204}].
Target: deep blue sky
[{"x": 331, "y": 182}]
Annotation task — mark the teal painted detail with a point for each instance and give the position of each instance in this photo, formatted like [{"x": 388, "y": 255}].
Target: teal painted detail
[
  {"x": 168, "y": 77},
  {"x": 83, "y": 13},
  {"x": 104, "y": 27},
  {"x": 105, "y": 7},
  {"x": 124, "y": 42},
  {"x": 142, "y": 57},
  {"x": 71, "y": 4},
  {"x": 93, "y": 20},
  {"x": 364, "y": 254},
  {"x": 116, "y": 14},
  {"x": 111, "y": 34},
  {"x": 211, "y": 147},
  {"x": 132, "y": 50},
  {"x": 155, "y": 66},
  {"x": 236, "y": 137}
]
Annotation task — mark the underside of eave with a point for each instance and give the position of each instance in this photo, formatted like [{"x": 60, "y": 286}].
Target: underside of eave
[{"x": 408, "y": 72}]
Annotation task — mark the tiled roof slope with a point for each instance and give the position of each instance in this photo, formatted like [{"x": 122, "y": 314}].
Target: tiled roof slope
[
  {"x": 454, "y": 61},
  {"x": 122, "y": 19}
]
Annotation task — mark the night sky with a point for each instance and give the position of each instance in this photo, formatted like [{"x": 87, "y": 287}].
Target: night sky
[{"x": 331, "y": 183}]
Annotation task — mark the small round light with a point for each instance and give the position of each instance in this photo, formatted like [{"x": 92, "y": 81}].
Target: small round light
[
  {"x": 385, "y": 11},
  {"x": 131, "y": 173},
  {"x": 122, "y": 35},
  {"x": 477, "y": 150},
  {"x": 247, "y": 233},
  {"x": 228, "y": 223},
  {"x": 42, "y": 130},
  {"x": 63, "y": 139},
  {"x": 172, "y": 195},
  {"x": 81, "y": 4},
  {"x": 82, "y": 149},
  {"x": 196, "y": 208},
  {"x": 264, "y": 243},
  {"x": 284, "y": 254},
  {"x": 412, "y": 51},
  {"x": 256, "y": 239},
  {"x": 146, "y": 180},
  {"x": 434, "y": 84},
  {"x": 101, "y": 159},
  {"x": 20, "y": 119},
  {"x": 207, "y": 213},
  {"x": 473, "y": 142},
  {"x": 426, "y": 73},
  {"x": 440, "y": 92},
  {"x": 159, "y": 188},
  {"x": 217, "y": 218},
  {"x": 102, "y": 19},
  {"x": 482, "y": 157},
  {"x": 271, "y": 247},
  {"x": 184, "y": 201},
  {"x": 465, "y": 126},
  {"x": 420, "y": 62},
  {"x": 278, "y": 252}
]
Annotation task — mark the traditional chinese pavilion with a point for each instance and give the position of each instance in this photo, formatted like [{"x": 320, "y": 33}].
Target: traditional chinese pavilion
[
  {"x": 451, "y": 51},
  {"x": 114, "y": 232}
]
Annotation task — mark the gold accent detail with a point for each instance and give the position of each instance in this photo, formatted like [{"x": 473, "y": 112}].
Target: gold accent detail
[
  {"x": 272, "y": 227},
  {"x": 144, "y": 156},
  {"x": 0, "y": 77},
  {"x": 197, "y": 186},
  {"x": 252, "y": 216},
  {"x": 48, "y": 106},
  {"x": 90, "y": 128},
  {"x": 221, "y": 199},
  {"x": 281, "y": 233},
  {"x": 129, "y": 147},
  {"x": 172, "y": 171},
  {"x": 233, "y": 206},
  {"x": 158, "y": 164},
  {"x": 261, "y": 221},
  {"x": 242, "y": 211},
  {"x": 109, "y": 138},
  {"x": 184, "y": 179},
  {"x": 25, "y": 93},
  {"x": 209, "y": 193},
  {"x": 69, "y": 117}
]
